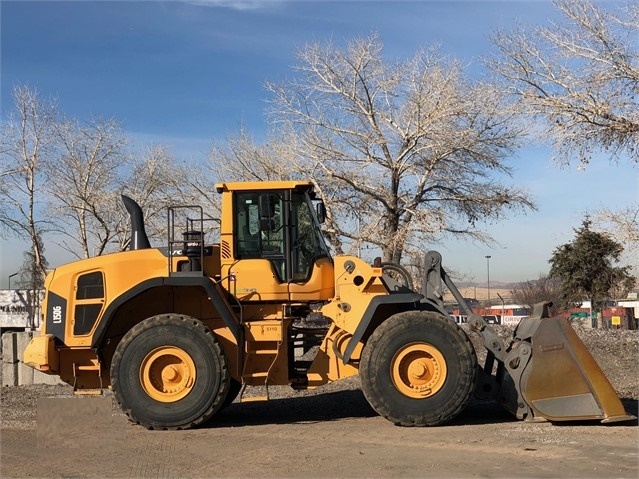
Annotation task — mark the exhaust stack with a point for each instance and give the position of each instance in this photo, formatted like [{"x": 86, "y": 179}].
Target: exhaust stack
[{"x": 139, "y": 239}]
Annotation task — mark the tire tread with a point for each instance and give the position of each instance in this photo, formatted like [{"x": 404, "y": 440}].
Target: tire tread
[
  {"x": 374, "y": 381},
  {"x": 170, "y": 319}
]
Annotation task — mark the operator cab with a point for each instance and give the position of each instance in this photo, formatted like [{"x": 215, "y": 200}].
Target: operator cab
[
  {"x": 282, "y": 227},
  {"x": 276, "y": 250}
]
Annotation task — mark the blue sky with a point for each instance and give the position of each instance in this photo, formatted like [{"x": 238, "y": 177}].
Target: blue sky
[{"x": 186, "y": 73}]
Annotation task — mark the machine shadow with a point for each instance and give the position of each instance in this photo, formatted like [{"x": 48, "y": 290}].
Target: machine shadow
[
  {"x": 351, "y": 404},
  {"x": 331, "y": 406},
  {"x": 334, "y": 406},
  {"x": 632, "y": 407},
  {"x": 482, "y": 412}
]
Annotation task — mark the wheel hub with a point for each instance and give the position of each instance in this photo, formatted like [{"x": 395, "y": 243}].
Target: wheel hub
[
  {"x": 167, "y": 374},
  {"x": 418, "y": 370}
]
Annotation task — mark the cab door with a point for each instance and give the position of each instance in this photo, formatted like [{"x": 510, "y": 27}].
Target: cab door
[
  {"x": 88, "y": 302},
  {"x": 261, "y": 246}
]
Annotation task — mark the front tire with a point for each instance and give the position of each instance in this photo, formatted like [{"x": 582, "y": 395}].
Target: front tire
[
  {"x": 418, "y": 369},
  {"x": 169, "y": 372}
]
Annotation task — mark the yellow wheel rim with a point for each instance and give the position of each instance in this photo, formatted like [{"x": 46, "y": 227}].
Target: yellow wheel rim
[
  {"x": 167, "y": 374},
  {"x": 418, "y": 370}
]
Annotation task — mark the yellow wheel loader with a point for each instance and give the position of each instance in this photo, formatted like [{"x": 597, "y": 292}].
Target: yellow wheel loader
[{"x": 178, "y": 332}]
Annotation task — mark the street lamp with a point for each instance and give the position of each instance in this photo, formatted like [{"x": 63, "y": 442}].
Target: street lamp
[
  {"x": 502, "y": 303},
  {"x": 11, "y": 276},
  {"x": 488, "y": 276}
]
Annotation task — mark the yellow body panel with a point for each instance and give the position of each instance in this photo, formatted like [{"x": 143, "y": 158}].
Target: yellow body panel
[
  {"x": 80, "y": 368},
  {"x": 319, "y": 287},
  {"x": 122, "y": 271},
  {"x": 42, "y": 355},
  {"x": 255, "y": 280},
  {"x": 354, "y": 291},
  {"x": 327, "y": 365},
  {"x": 264, "y": 331}
]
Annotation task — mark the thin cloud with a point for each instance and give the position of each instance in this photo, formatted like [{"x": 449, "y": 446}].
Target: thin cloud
[{"x": 235, "y": 4}]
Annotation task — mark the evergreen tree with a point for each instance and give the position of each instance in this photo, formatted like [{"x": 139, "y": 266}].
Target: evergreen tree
[{"x": 585, "y": 268}]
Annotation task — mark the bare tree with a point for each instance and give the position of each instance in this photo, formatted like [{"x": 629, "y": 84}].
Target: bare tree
[
  {"x": 403, "y": 153},
  {"x": 32, "y": 283},
  {"x": 27, "y": 143},
  {"x": 95, "y": 169},
  {"x": 157, "y": 180},
  {"x": 623, "y": 227},
  {"x": 579, "y": 77},
  {"x": 86, "y": 167},
  {"x": 83, "y": 178},
  {"x": 241, "y": 158},
  {"x": 531, "y": 292}
]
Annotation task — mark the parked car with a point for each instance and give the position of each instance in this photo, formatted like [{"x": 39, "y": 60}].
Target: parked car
[{"x": 492, "y": 319}]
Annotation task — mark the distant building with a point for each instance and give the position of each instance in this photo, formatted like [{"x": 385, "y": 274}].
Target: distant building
[{"x": 16, "y": 313}]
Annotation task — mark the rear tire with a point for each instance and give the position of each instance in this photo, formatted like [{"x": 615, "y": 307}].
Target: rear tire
[
  {"x": 169, "y": 372},
  {"x": 418, "y": 369}
]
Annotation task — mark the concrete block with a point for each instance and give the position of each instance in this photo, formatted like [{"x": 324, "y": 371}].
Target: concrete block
[
  {"x": 25, "y": 373},
  {"x": 22, "y": 340},
  {"x": 14, "y": 371},
  {"x": 9, "y": 360},
  {"x": 9, "y": 374},
  {"x": 9, "y": 348},
  {"x": 41, "y": 378}
]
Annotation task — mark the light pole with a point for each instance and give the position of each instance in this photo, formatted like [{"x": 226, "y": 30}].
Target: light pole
[
  {"x": 488, "y": 276},
  {"x": 11, "y": 276}
]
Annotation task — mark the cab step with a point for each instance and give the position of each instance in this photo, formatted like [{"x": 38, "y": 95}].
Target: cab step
[
  {"x": 263, "y": 396},
  {"x": 82, "y": 369}
]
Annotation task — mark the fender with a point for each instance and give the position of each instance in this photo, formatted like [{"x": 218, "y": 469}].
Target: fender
[
  {"x": 402, "y": 301},
  {"x": 220, "y": 304}
]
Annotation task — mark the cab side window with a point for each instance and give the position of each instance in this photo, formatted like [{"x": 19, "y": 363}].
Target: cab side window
[
  {"x": 247, "y": 226},
  {"x": 90, "y": 286},
  {"x": 89, "y": 299},
  {"x": 255, "y": 242}
]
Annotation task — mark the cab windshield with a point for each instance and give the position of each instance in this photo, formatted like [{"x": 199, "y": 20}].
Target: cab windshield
[{"x": 308, "y": 241}]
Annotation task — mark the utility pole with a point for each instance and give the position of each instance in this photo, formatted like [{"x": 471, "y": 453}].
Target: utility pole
[{"x": 488, "y": 276}]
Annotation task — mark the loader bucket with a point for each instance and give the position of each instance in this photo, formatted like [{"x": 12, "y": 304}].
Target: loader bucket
[{"x": 557, "y": 377}]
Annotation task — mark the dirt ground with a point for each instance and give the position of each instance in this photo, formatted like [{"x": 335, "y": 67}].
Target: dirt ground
[{"x": 329, "y": 432}]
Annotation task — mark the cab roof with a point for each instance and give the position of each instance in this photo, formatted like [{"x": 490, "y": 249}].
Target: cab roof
[{"x": 263, "y": 185}]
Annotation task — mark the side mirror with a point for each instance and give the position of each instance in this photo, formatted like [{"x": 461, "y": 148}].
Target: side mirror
[{"x": 320, "y": 209}]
